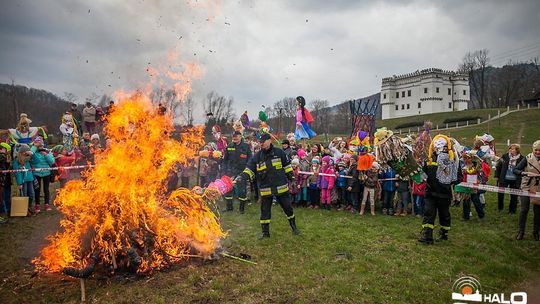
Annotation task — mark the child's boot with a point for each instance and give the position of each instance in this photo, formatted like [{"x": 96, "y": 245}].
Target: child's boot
[
  {"x": 362, "y": 208},
  {"x": 372, "y": 208}
]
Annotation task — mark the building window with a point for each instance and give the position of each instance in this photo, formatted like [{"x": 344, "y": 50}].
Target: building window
[
  {"x": 425, "y": 90},
  {"x": 408, "y": 106},
  {"x": 397, "y": 108},
  {"x": 449, "y": 105},
  {"x": 384, "y": 96},
  {"x": 419, "y": 105},
  {"x": 449, "y": 91},
  {"x": 437, "y": 89},
  {"x": 403, "y": 94},
  {"x": 464, "y": 92},
  {"x": 409, "y": 93},
  {"x": 397, "y": 94},
  {"x": 403, "y": 107}
]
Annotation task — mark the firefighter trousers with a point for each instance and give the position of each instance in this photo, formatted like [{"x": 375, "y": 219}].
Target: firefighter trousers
[{"x": 433, "y": 206}]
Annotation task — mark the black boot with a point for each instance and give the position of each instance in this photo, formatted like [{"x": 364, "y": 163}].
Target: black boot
[
  {"x": 242, "y": 205},
  {"x": 519, "y": 235},
  {"x": 265, "y": 231},
  {"x": 426, "y": 236},
  {"x": 295, "y": 230},
  {"x": 229, "y": 205},
  {"x": 443, "y": 235}
]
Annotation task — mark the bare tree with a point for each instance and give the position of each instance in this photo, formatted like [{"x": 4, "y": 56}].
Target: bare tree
[
  {"x": 70, "y": 97},
  {"x": 220, "y": 106},
  {"x": 475, "y": 64},
  {"x": 285, "y": 111},
  {"x": 92, "y": 98},
  {"x": 320, "y": 115}
]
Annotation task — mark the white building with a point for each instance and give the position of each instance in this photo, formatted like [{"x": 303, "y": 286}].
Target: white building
[{"x": 424, "y": 92}]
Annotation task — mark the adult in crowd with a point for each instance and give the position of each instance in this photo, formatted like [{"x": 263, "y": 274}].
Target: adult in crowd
[
  {"x": 235, "y": 159},
  {"x": 77, "y": 116},
  {"x": 529, "y": 170},
  {"x": 273, "y": 171},
  {"x": 5, "y": 181},
  {"x": 43, "y": 159},
  {"x": 89, "y": 118},
  {"x": 504, "y": 174}
]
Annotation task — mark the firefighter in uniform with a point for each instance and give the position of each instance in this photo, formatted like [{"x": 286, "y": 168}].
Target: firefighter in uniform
[
  {"x": 272, "y": 170},
  {"x": 443, "y": 170},
  {"x": 235, "y": 159}
]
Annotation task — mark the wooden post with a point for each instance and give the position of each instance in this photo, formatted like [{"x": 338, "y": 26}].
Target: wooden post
[
  {"x": 498, "y": 113},
  {"x": 457, "y": 124},
  {"x": 409, "y": 130},
  {"x": 446, "y": 126},
  {"x": 478, "y": 121},
  {"x": 83, "y": 291},
  {"x": 467, "y": 123},
  {"x": 518, "y": 106},
  {"x": 528, "y": 106},
  {"x": 437, "y": 127},
  {"x": 508, "y": 142}
]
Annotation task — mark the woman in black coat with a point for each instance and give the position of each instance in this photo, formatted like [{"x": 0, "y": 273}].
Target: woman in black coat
[{"x": 504, "y": 174}]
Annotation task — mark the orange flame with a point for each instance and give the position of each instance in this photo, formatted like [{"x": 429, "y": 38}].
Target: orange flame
[{"x": 122, "y": 201}]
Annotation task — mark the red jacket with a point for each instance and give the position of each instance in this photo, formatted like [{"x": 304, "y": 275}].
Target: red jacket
[
  {"x": 63, "y": 161},
  {"x": 419, "y": 189}
]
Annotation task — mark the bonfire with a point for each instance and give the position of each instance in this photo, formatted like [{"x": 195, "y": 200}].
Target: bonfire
[{"x": 119, "y": 216}]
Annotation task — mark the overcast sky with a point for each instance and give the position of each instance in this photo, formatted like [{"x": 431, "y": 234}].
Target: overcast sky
[{"x": 257, "y": 51}]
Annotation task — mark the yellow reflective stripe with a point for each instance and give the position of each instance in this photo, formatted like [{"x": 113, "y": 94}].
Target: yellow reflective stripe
[
  {"x": 428, "y": 226},
  {"x": 265, "y": 221},
  {"x": 432, "y": 163},
  {"x": 228, "y": 197},
  {"x": 266, "y": 191},
  {"x": 231, "y": 149},
  {"x": 282, "y": 189},
  {"x": 242, "y": 199},
  {"x": 277, "y": 163},
  {"x": 288, "y": 169},
  {"x": 445, "y": 228},
  {"x": 261, "y": 167},
  {"x": 290, "y": 217},
  {"x": 249, "y": 172}
]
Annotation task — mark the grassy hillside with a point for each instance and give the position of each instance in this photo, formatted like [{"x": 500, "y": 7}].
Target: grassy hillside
[
  {"x": 437, "y": 118},
  {"x": 520, "y": 127}
]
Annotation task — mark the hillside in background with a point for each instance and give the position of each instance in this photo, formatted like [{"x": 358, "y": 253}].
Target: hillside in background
[{"x": 42, "y": 107}]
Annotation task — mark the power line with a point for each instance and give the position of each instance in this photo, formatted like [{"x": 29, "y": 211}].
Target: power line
[{"x": 503, "y": 54}]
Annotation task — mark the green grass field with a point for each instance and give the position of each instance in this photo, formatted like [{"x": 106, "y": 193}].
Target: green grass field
[{"x": 338, "y": 258}]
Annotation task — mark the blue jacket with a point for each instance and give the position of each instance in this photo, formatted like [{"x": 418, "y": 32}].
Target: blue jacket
[
  {"x": 391, "y": 184},
  {"x": 22, "y": 177},
  {"x": 41, "y": 161},
  {"x": 341, "y": 181}
]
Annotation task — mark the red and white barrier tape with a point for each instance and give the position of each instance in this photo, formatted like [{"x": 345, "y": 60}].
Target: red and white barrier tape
[
  {"x": 500, "y": 189},
  {"x": 345, "y": 176},
  {"x": 46, "y": 169}
]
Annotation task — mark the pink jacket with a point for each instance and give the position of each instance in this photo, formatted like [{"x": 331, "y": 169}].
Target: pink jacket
[{"x": 327, "y": 182}]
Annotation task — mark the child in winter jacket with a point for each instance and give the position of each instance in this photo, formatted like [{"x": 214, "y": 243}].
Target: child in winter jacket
[
  {"x": 304, "y": 166},
  {"x": 43, "y": 159},
  {"x": 404, "y": 197},
  {"x": 419, "y": 191},
  {"x": 354, "y": 186},
  {"x": 370, "y": 183},
  {"x": 341, "y": 185},
  {"x": 25, "y": 180},
  {"x": 388, "y": 190},
  {"x": 326, "y": 183},
  {"x": 314, "y": 192},
  {"x": 63, "y": 158}
]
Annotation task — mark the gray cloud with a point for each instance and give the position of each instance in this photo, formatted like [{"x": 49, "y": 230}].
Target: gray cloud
[{"x": 255, "y": 51}]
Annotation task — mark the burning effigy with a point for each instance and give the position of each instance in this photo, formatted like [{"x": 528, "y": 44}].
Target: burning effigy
[{"x": 119, "y": 215}]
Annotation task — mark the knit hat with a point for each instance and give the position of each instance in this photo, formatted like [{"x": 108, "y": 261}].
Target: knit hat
[
  {"x": 94, "y": 136},
  {"x": 301, "y": 153},
  {"x": 23, "y": 148},
  {"x": 6, "y": 146},
  {"x": 375, "y": 165},
  {"x": 341, "y": 164},
  {"x": 326, "y": 159},
  {"x": 316, "y": 160},
  {"x": 57, "y": 149},
  {"x": 38, "y": 139},
  {"x": 295, "y": 161}
]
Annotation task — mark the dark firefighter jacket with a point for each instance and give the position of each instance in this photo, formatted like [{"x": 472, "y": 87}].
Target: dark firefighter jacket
[
  {"x": 271, "y": 169},
  {"x": 236, "y": 158}
]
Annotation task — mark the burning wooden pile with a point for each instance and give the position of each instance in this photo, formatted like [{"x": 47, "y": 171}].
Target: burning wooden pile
[{"x": 119, "y": 216}]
